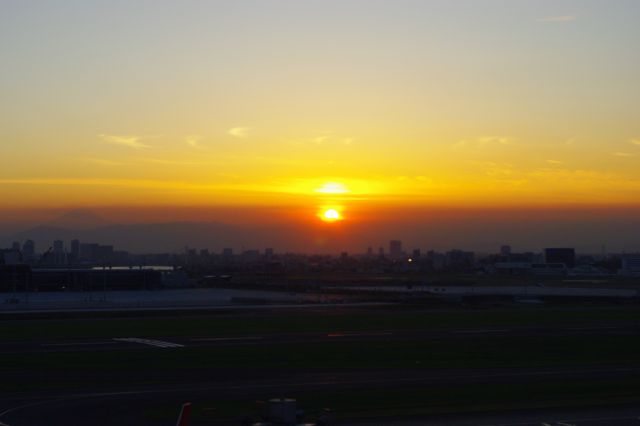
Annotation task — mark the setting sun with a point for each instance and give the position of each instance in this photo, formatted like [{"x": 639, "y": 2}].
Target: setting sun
[{"x": 331, "y": 215}]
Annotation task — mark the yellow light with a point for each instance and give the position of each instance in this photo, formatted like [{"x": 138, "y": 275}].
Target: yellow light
[
  {"x": 331, "y": 215},
  {"x": 332, "y": 188}
]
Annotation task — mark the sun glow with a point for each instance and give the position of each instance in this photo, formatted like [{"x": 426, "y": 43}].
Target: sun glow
[
  {"x": 330, "y": 215},
  {"x": 332, "y": 188}
]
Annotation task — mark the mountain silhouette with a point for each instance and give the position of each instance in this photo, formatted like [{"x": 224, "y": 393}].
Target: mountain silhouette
[{"x": 78, "y": 219}]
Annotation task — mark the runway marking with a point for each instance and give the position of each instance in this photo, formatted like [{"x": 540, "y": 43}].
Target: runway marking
[
  {"x": 223, "y": 339},
  {"x": 78, "y": 344},
  {"x": 150, "y": 342},
  {"x": 501, "y": 330}
]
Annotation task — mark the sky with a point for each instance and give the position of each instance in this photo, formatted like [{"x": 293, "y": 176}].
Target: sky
[{"x": 290, "y": 108}]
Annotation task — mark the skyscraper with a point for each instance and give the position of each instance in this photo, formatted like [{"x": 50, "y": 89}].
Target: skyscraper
[
  {"x": 395, "y": 249},
  {"x": 58, "y": 252},
  {"x": 29, "y": 249},
  {"x": 75, "y": 249}
]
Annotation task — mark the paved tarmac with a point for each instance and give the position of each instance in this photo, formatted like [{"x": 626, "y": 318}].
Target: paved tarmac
[
  {"x": 129, "y": 342},
  {"x": 128, "y": 405}
]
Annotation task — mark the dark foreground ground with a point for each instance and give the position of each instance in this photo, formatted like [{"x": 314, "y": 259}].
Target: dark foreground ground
[{"x": 378, "y": 365}]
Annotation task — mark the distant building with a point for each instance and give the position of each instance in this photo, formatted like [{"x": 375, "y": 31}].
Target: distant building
[
  {"x": 505, "y": 251},
  {"x": 437, "y": 260},
  {"x": 96, "y": 252},
  {"x": 561, "y": 255},
  {"x": 58, "y": 252},
  {"x": 191, "y": 255},
  {"x": 395, "y": 249},
  {"x": 268, "y": 252},
  {"x": 87, "y": 251},
  {"x": 10, "y": 257},
  {"x": 460, "y": 259},
  {"x": 29, "y": 249},
  {"x": 227, "y": 252},
  {"x": 512, "y": 268},
  {"x": 15, "y": 246},
  {"x": 630, "y": 265},
  {"x": 416, "y": 254},
  {"x": 75, "y": 250},
  {"x": 549, "y": 268},
  {"x": 251, "y": 255}
]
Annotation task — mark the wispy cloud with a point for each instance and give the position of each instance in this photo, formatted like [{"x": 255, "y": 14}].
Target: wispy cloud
[
  {"x": 239, "y": 132},
  {"x": 495, "y": 140},
  {"x": 557, "y": 162},
  {"x": 482, "y": 141},
  {"x": 192, "y": 140},
  {"x": 128, "y": 141},
  {"x": 179, "y": 162},
  {"x": 635, "y": 141},
  {"x": 560, "y": 18},
  {"x": 128, "y": 183},
  {"x": 104, "y": 162},
  {"x": 623, "y": 154},
  {"x": 323, "y": 138}
]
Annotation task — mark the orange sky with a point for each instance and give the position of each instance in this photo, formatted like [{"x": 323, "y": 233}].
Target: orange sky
[{"x": 404, "y": 107}]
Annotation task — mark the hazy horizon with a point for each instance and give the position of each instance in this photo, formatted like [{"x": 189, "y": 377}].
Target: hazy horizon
[{"x": 483, "y": 231}]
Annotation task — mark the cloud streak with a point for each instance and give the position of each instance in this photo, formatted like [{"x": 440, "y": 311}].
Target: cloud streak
[
  {"x": 127, "y": 141},
  {"x": 239, "y": 132},
  {"x": 179, "y": 162},
  {"x": 104, "y": 162},
  {"x": 482, "y": 142},
  {"x": 192, "y": 141}
]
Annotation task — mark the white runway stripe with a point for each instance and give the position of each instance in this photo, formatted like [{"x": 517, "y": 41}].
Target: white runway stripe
[{"x": 150, "y": 342}]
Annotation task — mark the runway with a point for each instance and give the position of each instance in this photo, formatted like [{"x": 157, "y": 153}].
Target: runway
[
  {"x": 81, "y": 391},
  {"x": 129, "y": 342},
  {"x": 125, "y": 407}
]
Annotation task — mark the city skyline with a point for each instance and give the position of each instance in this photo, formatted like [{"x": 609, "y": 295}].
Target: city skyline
[{"x": 587, "y": 230}]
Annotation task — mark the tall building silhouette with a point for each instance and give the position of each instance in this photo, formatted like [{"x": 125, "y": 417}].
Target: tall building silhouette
[
  {"x": 75, "y": 249},
  {"x": 395, "y": 249},
  {"x": 58, "y": 252},
  {"x": 29, "y": 249}
]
